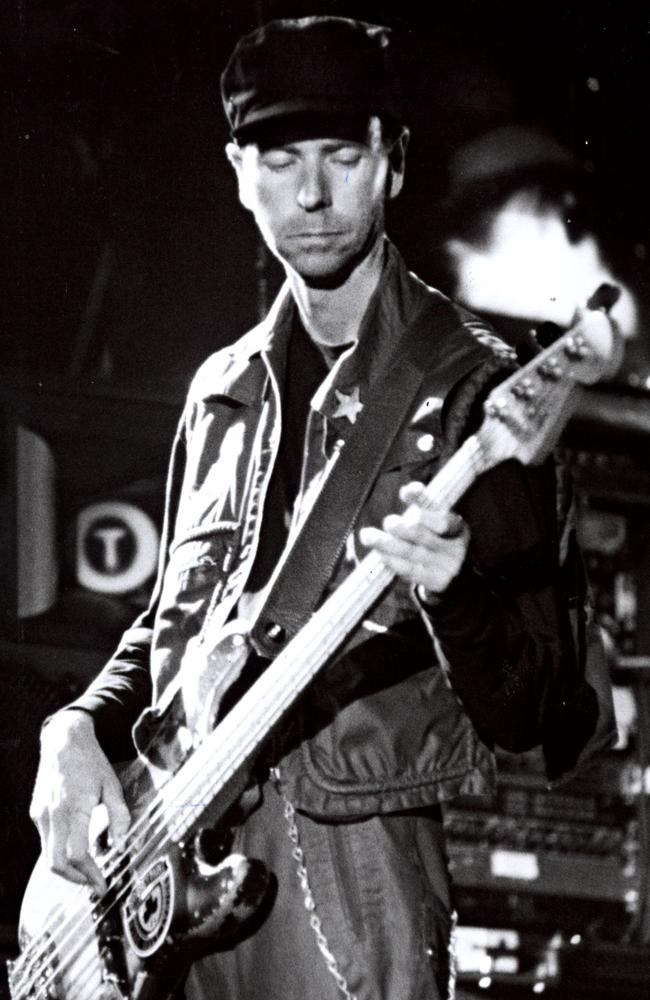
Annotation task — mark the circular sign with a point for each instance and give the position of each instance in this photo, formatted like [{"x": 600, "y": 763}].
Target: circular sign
[{"x": 117, "y": 547}]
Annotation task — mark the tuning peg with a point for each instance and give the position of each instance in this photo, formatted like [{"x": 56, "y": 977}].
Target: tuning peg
[
  {"x": 551, "y": 369},
  {"x": 497, "y": 407},
  {"x": 524, "y": 389},
  {"x": 576, "y": 346}
]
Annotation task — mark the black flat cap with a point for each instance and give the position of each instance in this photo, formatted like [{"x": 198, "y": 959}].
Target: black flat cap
[{"x": 311, "y": 70}]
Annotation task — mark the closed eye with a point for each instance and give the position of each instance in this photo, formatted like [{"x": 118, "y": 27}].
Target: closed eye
[
  {"x": 278, "y": 161},
  {"x": 347, "y": 157}
]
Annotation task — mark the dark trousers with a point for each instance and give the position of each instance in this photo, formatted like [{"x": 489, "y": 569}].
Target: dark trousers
[{"x": 382, "y": 894}]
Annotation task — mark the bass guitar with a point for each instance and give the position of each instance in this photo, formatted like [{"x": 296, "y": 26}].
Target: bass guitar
[{"x": 173, "y": 890}]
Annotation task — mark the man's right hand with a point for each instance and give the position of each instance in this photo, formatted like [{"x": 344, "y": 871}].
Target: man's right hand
[{"x": 74, "y": 776}]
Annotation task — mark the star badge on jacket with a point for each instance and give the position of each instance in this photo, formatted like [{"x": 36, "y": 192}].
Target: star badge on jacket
[{"x": 349, "y": 405}]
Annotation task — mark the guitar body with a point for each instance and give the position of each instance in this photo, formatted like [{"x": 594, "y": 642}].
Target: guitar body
[
  {"x": 177, "y": 911},
  {"x": 167, "y": 904},
  {"x": 47, "y": 900}
]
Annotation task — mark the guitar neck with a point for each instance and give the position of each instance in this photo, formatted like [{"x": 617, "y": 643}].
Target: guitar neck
[{"x": 236, "y": 739}]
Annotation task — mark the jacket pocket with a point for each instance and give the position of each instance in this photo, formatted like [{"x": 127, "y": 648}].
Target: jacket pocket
[
  {"x": 196, "y": 557},
  {"x": 399, "y": 740},
  {"x": 197, "y": 566}
]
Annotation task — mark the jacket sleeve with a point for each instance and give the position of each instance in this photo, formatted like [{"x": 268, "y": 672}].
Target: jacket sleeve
[
  {"x": 504, "y": 628},
  {"x": 123, "y": 689}
]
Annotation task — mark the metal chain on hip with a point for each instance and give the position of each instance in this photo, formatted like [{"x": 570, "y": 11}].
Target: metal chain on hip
[{"x": 310, "y": 903}]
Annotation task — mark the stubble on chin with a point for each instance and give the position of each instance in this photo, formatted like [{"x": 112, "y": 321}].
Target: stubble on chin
[{"x": 319, "y": 275}]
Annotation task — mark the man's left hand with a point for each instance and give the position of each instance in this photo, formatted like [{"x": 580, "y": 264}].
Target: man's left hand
[{"x": 425, "y": 546}]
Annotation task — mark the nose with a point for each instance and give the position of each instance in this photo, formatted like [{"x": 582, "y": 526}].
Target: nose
[{"x": 314, "y": 191}]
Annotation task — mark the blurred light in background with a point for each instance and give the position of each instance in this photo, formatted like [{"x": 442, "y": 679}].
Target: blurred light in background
[
  {"x": 530, "y": 269},
  {"x": 521, "y": 234}
]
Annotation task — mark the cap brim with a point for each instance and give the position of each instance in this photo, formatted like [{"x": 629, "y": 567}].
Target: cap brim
[{"x": 296, "y": 120}]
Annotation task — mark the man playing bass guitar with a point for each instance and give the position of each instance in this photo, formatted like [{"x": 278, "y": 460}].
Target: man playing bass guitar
[{"x": 471, "y": 646}]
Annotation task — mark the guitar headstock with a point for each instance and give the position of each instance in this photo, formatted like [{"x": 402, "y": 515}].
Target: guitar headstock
[{"x": 526, "y": 413}]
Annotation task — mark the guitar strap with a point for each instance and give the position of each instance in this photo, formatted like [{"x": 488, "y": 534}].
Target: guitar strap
[{"x": 309, "y": 560}]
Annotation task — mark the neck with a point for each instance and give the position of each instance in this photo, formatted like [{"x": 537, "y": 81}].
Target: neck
[{"x": 332, "y": 316}]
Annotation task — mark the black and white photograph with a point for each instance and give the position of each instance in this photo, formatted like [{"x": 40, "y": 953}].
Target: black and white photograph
[{"x": 324, "y": 500}]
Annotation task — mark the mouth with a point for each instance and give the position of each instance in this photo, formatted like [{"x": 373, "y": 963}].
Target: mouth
[{"x": 316, "y": 234}]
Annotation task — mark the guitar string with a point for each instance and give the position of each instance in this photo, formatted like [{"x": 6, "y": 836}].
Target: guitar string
[{"x": 157, "y": 808}]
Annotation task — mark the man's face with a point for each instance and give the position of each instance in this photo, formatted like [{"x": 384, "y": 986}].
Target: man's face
[{"x": 319, "y": 203}]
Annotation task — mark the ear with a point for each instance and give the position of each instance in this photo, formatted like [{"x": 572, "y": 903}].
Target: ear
[
  {"x": 397, "y": 160},
  {"x": 234, "y": 153}
]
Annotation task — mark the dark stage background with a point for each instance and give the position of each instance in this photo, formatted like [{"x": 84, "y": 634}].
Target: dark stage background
[{"x": 128, "y": 259}]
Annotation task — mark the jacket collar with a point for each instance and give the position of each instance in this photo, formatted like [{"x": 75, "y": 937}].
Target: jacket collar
[
  {"x": 246, "y": 370},
  {"x": 265, "y": 346}
]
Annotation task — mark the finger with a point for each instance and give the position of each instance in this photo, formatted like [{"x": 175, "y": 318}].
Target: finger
[
  {"x": 67, "y": 845},
  {"x": 90, "y": 873},
  {"x": 60, "y": 866},
  {"x": 58, "y": 862},
  {"x": 78, "y": 854},
  {"x": 446, "y": 523},
  {"x": 452, "y": 525},
  {"x": 382, "y": 541},
  {"x": 434, "y": 578},
  {"x": 414, "y": 492},
  {"x": 119, "y": 818},
  {"x": 401, "y": 542},
  {"x": 425, "y": 527},
  {"x": 400, "y": 553}
]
